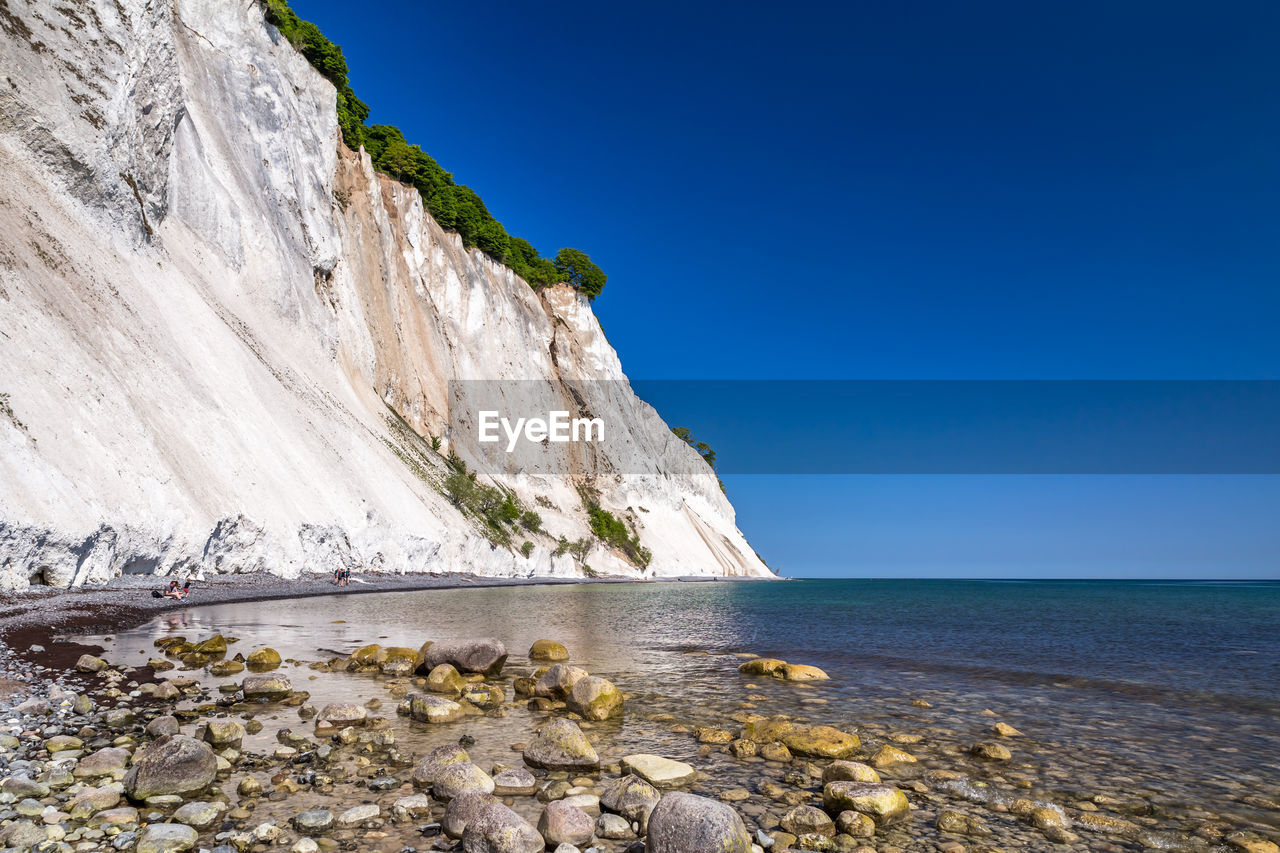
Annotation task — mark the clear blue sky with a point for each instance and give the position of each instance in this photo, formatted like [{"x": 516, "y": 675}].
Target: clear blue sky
[{"x": 891, "y": 191}]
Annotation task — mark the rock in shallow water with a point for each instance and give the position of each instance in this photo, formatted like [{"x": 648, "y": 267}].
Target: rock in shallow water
[
  {"x": 686, "y": 823},
  {"x": 269, "y": 687},
  {"x": 500, "y": 830},
  {"x": 463, "y": 809},
  {"x": 486, "y": 655},
  {"x": 564, "y": 823},
  {"x": 429, "y": 708},
  {"x": 884, "y": 804},
  {"x": 661, "y": 773},
  {"x": 595, "y": 698},
  {"x": 558, "y": 680},
  {"x": 548, "y": 650},
  {"x": 561, "y": 745},
  {"x": 434, "y": 763},
  {"x": 460, "y": 778},
  {"x": 166, "y": 838}
]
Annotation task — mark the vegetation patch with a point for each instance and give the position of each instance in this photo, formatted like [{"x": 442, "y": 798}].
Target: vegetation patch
[{"x": 456, "y": 207}]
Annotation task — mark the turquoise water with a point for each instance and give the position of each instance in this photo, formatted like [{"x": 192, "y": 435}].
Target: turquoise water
[{"x": 1168, "y": 693}]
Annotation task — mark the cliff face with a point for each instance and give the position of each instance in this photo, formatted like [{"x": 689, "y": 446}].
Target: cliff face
[{"x": 225, "y": 341}]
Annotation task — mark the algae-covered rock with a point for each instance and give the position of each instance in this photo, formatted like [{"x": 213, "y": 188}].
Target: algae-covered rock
[
  {"x": 455, "y": 779},
  {"x": 221, "y": 734},
  {"x": 761, "y": 666},
  {"x": 822, "y": 742},
  {"x": 561, "y": 745},
  {"x": 428, "y": 770},
  {"x": 799, "y": 672},
  {"x": 849, "y": 771},
  {"x": 365, "y": 655},
  {"x": 631, "y": 797},
  {"x": 990, "y": 752},
  {"x": 807, "y": 820},
  {"x": 224, "y": 668},
  {"x": 429, "y": 708},
  {"x": 891, "y": 756},
  {"x": 262, "y": 660},
  {"x": 884, "y": 804},
  {"x": 498, "y": 829},
  {"x": 548, "y": 650},
  {"x": 215, "y": 645},
  {"x": 445, "y": 679},
  {"x": 595, "y": 698}
]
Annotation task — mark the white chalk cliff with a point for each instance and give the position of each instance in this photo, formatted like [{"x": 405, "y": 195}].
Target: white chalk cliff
[{"x": 224, "y": 339}]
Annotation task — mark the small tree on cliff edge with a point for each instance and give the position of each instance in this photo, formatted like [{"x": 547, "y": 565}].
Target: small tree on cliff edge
[{"x": 577, "y": 269}]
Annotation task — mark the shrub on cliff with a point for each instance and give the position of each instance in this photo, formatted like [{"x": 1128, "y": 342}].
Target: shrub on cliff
[{"x": 456, "y": 207}]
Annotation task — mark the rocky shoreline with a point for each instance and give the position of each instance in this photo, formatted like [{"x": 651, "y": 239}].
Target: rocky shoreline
[{"x": 210, "y": 746}]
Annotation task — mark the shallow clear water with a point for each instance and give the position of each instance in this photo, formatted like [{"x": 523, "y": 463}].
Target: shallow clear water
[{"x": 1165, "y": 691}]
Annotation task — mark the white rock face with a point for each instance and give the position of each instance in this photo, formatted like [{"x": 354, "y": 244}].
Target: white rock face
[{"x": 223, "y": 337}]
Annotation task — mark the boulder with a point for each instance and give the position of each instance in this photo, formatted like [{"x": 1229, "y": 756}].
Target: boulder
[
  {"x": 428, "y": 770},
  {"x": 563, "y": 823},
  {"x": 165, "y": 725},
  {"x": 261, "y": 660},
  {"x": 427, "y": 708},
  {"x": 631, "y": 797},
  {"x": 166, "y": 838},
  {"x": 807, "y": 820},
  {"x": 761, "y": 666},
  {"x": 884, "y": 804},
  {"x": 108, "y": 761},
  {"x": 89, "y": 663},
  {"x": 498, "y": 829},
  {"x": 366, "y": 655},
  {"x": 595, "y": 698},
  {"x": 855, "y": 825},
  {"x": 486, "y": 655},
  {"x": 200, "y": 815},
  {"x": 343, "y": 714},
  {"x": 514, "y": 782},
  {"x": 990, "y": 752},
  {"x": 215, "y": 645},
  {"x": 173, "y": 764},
  {"x": 891, "y": 756},
  {"x": 561, "y": 745},
  {"x": 221, "y": 734},
  {"x": 463, "y": 809},
  {"x": 558, "y": 680},
  {"x": 269, "y": 687},
  {"x": 445, "y": 679},
  {"x": 686, "y": 823},
  {"x": 484, "y": 695},
  {"x": 661, "y": 773},
  {"x": 548, "y": 650},
  {"x": 799, "y": 672},
  {"x": 767, "y": 729},
  {"x": 459, "y": 778},
  {"x": 357, "y": 815},
  {"x": 313, "y": 821},
  {"x": 821, "y": 742},
  {"x": 849, "y": 771}
]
